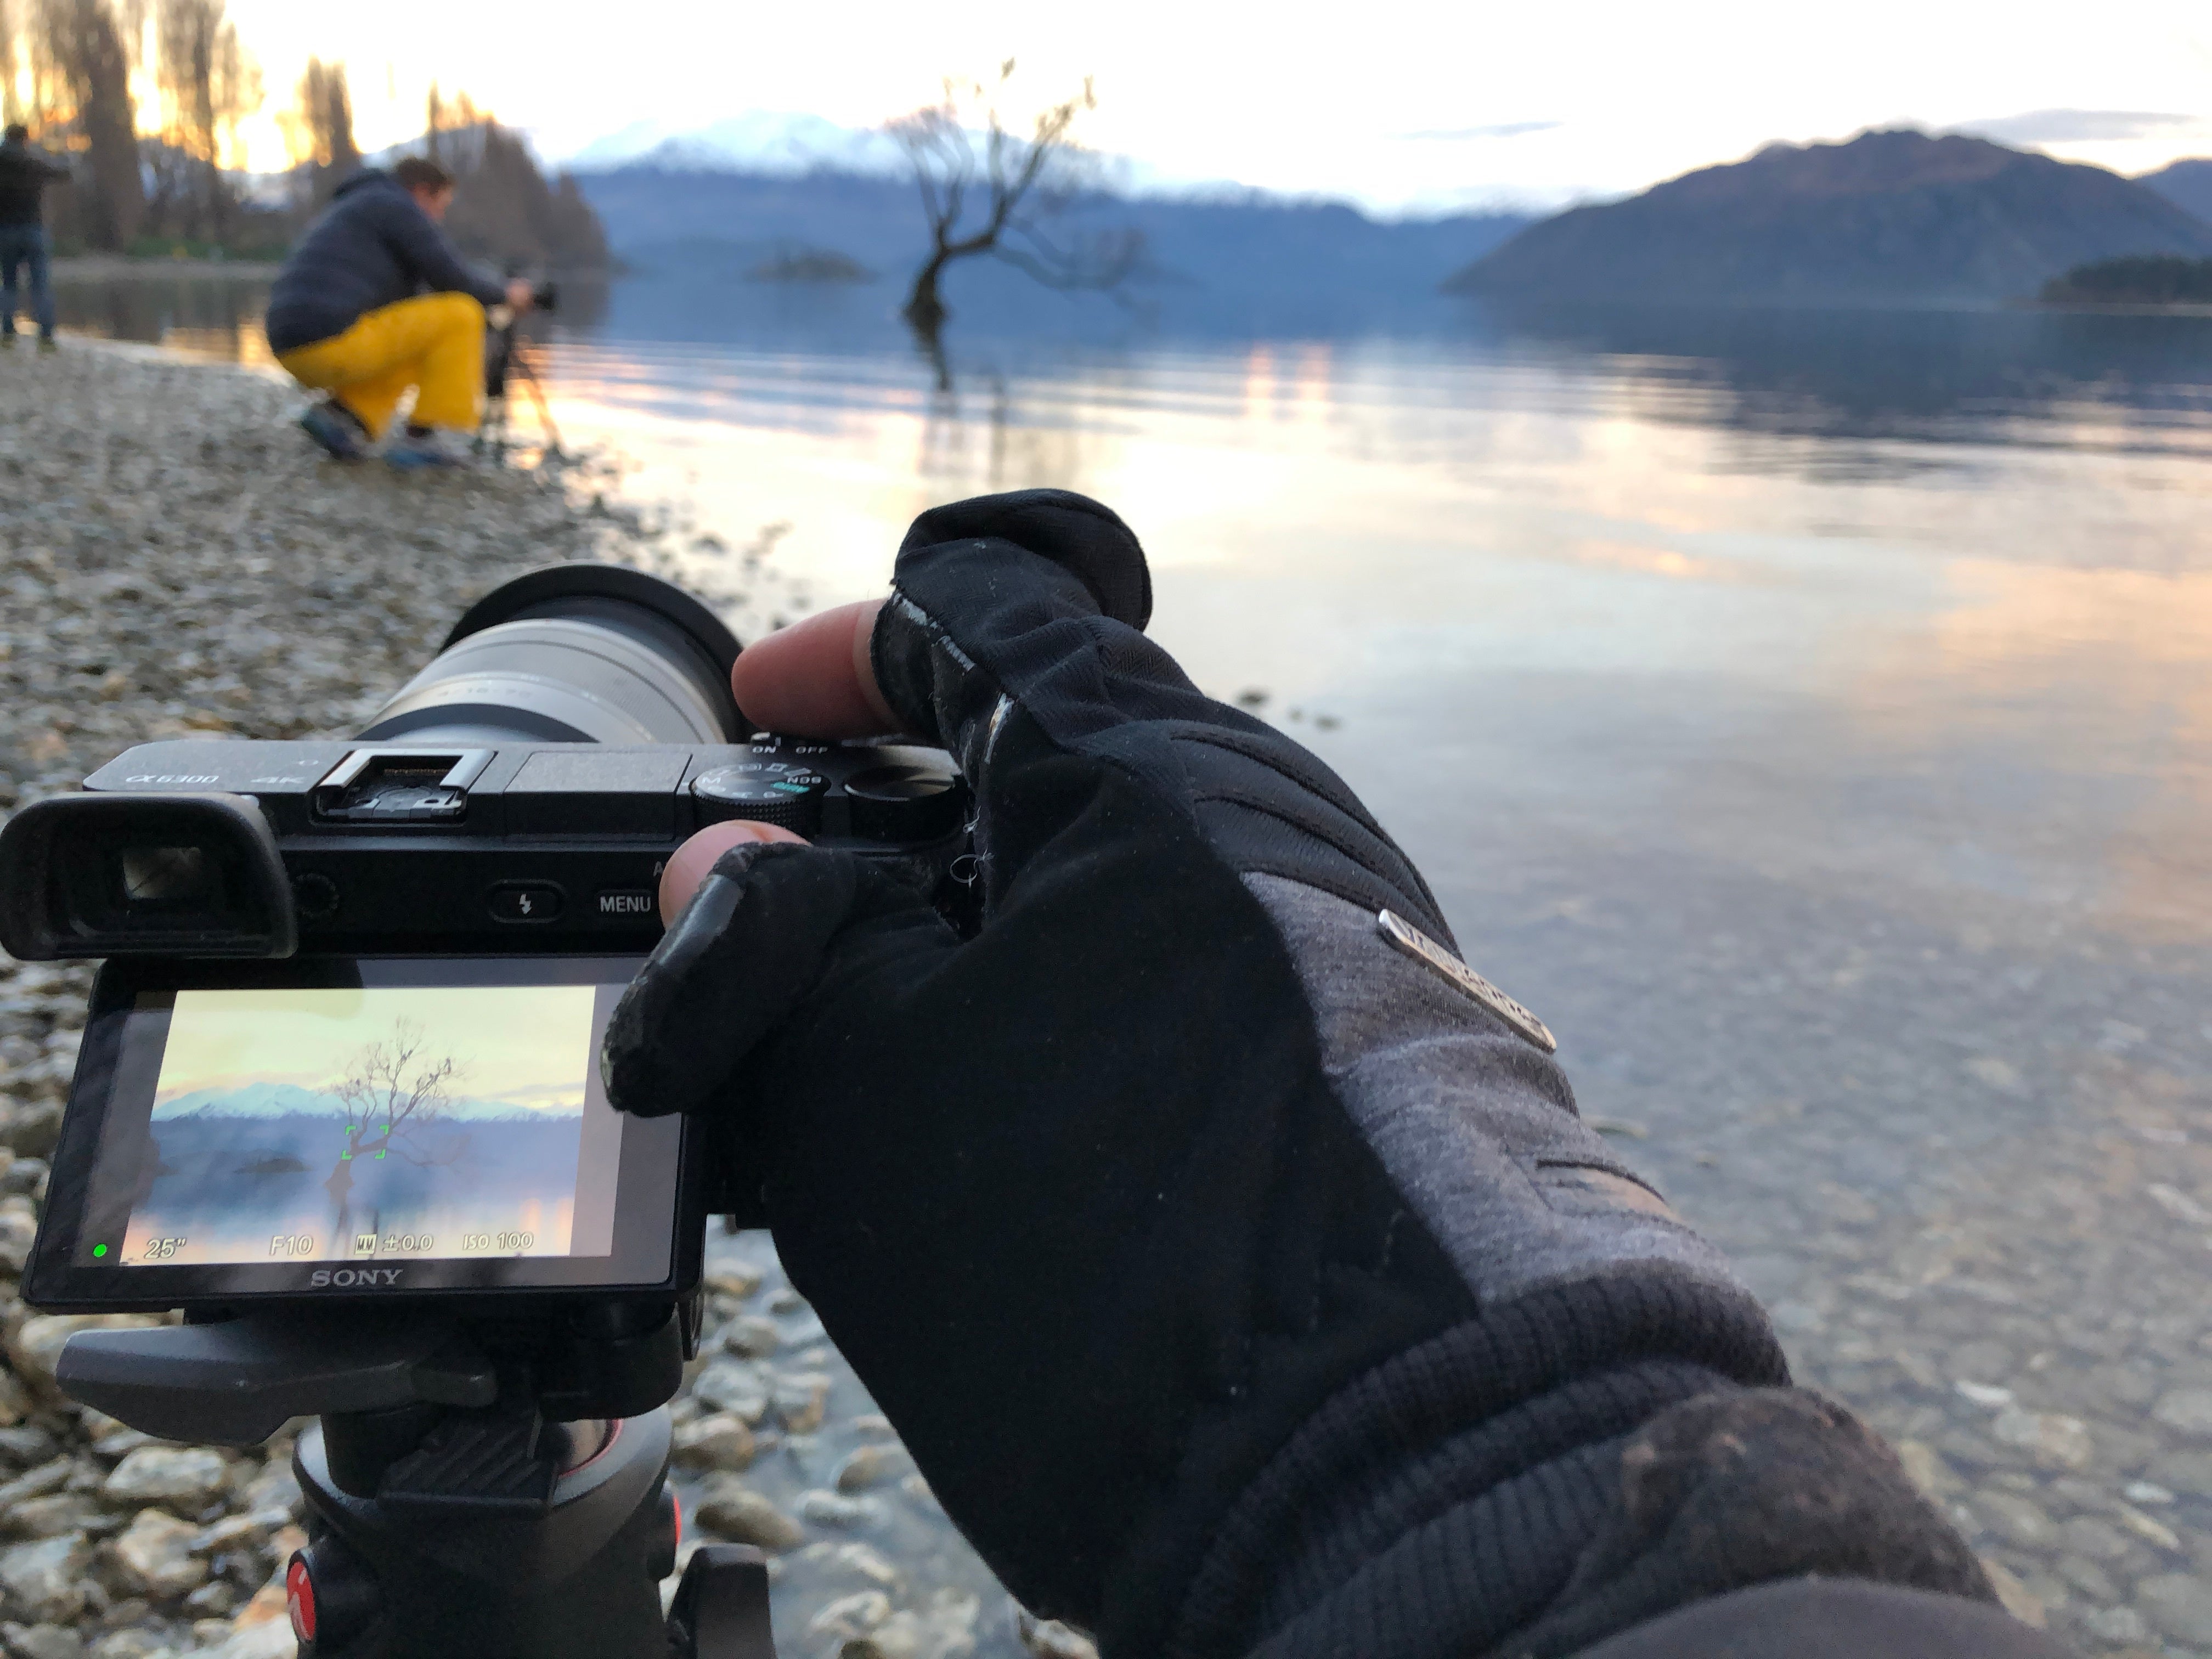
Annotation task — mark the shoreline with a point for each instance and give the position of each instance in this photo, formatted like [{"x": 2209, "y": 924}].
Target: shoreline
[{"x": 101, "y": 267}]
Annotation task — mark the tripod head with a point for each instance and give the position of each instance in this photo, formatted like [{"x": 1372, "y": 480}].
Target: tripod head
[{"x": 492, "y": 1485}]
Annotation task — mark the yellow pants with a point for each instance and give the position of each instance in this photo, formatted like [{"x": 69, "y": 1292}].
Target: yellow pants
[{"x": 433, "y": 343}]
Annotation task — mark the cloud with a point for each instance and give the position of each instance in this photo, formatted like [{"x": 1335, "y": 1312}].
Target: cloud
[
  {"x": 1503, "y": 130},
  {"x": 2077, "y": 126}
]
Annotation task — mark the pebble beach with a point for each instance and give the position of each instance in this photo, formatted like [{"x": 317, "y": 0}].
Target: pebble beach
[{"x": 180, "y": 562}]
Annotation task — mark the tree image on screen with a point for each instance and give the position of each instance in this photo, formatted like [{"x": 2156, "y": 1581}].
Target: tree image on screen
[
  {"x": 318, "y": 1125},
  {"x": 394, "y": 1094}
]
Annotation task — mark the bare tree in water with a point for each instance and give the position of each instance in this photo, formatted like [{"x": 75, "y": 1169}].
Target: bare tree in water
[
  {"x": 987, "y": 189},
  {"x": 392, "y": 1094}
]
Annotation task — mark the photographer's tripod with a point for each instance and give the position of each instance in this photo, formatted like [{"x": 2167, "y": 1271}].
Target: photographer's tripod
[{"x": 492, "y": 1488}]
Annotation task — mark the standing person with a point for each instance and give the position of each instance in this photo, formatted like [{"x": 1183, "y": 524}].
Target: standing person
[
  {"x": 375, "y": 301},
  {"x": 24, "y": 176}
]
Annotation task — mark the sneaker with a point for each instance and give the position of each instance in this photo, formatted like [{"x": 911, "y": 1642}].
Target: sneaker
[
  {"x": 417, "y": 451},
  {"x": 48, "y": 343},
  {"x": 7, "y": 340},
  {"x": 337, "y": 432}
]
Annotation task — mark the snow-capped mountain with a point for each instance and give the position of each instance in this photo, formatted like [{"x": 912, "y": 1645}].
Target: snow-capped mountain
[
  {"x": 272, "y": 1100},
  {"x": 759, "y": 141}
]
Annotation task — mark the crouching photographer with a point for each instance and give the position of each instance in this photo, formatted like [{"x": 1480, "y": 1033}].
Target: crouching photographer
[{"x": 376, "y": 302}]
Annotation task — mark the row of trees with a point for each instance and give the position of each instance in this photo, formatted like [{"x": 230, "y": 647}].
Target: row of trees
[{"x": 67, "y": 70}]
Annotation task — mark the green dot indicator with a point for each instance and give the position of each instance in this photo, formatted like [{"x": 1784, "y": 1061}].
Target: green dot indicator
[{"x": 100, "y": 1250}]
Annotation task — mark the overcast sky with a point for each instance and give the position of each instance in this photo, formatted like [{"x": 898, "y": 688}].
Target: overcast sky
[{"x": 1390, "y": 103}]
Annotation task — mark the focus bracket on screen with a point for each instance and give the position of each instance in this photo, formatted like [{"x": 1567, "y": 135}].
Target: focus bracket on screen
[{"x": 238, "y": 1382}]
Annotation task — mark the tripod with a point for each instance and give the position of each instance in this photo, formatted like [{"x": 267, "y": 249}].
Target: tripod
[{"x": 491, "y": 1486}]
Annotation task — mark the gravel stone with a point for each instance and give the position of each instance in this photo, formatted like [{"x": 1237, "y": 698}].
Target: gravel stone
[
  {"x": 49, "y": 1517},
  {"x": 46, "y": 1579},
  {"x": 802, "y": 1400},
  {"x": 849, "y": 1618},
  {"x": 41, "y": 1642},
  {"x": 185, "y": 1477},
  {"x": 154, "y": 1557},
  {"x": 1047, "y": 1638}
]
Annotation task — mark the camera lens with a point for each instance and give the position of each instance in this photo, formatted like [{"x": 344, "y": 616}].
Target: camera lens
[{"x": 574, "y": 653}]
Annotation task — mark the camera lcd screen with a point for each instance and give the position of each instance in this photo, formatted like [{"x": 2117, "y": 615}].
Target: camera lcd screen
[{"x": 372, "y": 1125}]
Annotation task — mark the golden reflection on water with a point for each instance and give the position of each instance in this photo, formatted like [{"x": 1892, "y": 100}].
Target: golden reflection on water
[{"x": 1974, "y": 660}]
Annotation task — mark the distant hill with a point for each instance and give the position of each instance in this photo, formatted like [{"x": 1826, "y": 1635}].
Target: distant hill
[
  {"x": 1235, "y": 261},
  {"x": 1887, "y": 218},
  {"x": 2187, "y": 184}
]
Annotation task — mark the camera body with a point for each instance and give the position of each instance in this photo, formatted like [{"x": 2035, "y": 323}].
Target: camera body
[
  {"x": 444, "y": 849},
  {"x": 345, "y": 1043}
]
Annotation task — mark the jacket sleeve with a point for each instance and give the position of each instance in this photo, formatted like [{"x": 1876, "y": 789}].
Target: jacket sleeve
[{"x": 427, "y": 254}]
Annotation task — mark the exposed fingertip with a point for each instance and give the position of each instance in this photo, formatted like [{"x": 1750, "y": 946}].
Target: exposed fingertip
[{"x": 690, "y": 864}]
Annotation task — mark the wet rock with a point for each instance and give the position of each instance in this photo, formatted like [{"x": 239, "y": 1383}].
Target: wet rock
[
  {"x": 2177, "y": 1603},
  {"x": 2054, "y": 1442},
  {"x": 2085, "y": 1535},
  {"x": 870, "y": 1466},
  {"x": 851, "y": 1561},
  {"x": 154, "y": 1555},
  {"x": 41, "y": 1642},
  {"x": 850, "y": 1617},
  {"x": 1047, "y": 1638},
  {"x": 186, "y": 1478},
  {"x": 719, "y": 1441},
  {"x": 2187, "y": 1410},
  {"x": 46, "y": 1579},
  {"x": 2122, "y": 1626},
  {"x": 830, "y": 1508},
  {"x": 727, "y": 1506},
  {"x": 802, "y": 1398},
  {"x": 946, "y": 1629},
  {"x": 2015, "y": 1520},
  {"x": 2016, "y": 1598},
  {"x": 738, "y": 1386},
  {"x": 2092, "y": 1580},
  {"x": 753, "y": 1336}
]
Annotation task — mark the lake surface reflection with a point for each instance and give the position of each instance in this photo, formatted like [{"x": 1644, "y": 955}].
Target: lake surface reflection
[{"x": 1808, "y": 715}]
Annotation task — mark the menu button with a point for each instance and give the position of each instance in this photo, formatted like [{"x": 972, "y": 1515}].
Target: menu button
[{"x": 621, "y": 902}]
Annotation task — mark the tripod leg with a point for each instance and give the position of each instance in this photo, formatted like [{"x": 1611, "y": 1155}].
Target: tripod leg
[{"x": 721, "y": 1605}]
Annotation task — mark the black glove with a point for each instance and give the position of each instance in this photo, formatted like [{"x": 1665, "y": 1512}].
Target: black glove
[{"x": 1239, "y": 1278}]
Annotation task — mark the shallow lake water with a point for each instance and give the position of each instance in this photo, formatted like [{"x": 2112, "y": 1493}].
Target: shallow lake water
[{"x": 1809, "y": 715}]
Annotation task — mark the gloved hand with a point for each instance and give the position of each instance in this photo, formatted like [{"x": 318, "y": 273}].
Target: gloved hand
[{"x": 1238, "y": 1277}]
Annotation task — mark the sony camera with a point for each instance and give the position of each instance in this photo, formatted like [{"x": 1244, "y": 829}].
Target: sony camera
[{"x": 345, "y": 1042}]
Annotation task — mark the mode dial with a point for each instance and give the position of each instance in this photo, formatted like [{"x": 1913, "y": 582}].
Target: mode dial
[
  {"x": 905, "y": 803},
  {"x": 786, "y": 793}
]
